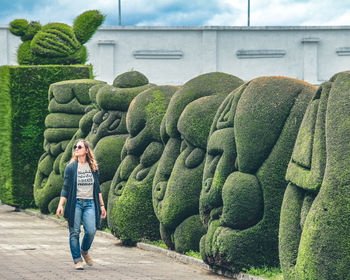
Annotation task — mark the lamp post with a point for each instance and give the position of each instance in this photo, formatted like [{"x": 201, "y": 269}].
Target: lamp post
[
  {"x": 120, "y": 12},
  {"x": 248, "y": 12}
]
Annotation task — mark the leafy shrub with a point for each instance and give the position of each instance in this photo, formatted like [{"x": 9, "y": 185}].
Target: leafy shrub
[{"x": 24, "y": 102}]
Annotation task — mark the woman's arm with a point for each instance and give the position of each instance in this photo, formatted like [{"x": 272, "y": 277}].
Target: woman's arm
[
  {"x": 64, "y": 192},
  {"x": 102, "y": 205},
  {"x": 59, "y": 210}
]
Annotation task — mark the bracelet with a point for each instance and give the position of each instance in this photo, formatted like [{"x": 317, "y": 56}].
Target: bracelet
[{"x": 102, "y": 205}]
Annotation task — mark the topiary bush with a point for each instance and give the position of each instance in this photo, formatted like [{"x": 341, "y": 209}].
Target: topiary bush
[
  {"x": 315, "y": 217},
  {"x": 177, "y": 182},
  {"x": 68, "y": 101},
  {"x": 86, "y": 24},
  {"x": 55, "y": 43},
  {"x": 24, "y": 103},
  {"x": 104, "y": 126},
  {"x": 130, "y": 210},
  {"x": 250, "y": 143}
]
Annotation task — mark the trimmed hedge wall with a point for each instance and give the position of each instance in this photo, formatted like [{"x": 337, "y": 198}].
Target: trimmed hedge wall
[
  {"x": 315, "y": 217},
  {"x": 131, "y": 215},
  {"x": 177, "y": 183},
  {"x": 24, "y": 102},
  {"x": 250, "y": 143}
]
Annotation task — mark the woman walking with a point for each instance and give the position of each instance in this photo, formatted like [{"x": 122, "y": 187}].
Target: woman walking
[{"x": 81, "y": 190}]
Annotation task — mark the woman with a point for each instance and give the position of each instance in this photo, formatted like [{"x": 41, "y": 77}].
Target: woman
[{"x": 81, "y": 190}]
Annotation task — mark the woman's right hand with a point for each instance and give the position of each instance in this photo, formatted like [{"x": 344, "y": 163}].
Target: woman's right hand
[{"x": 59, "y": 211}]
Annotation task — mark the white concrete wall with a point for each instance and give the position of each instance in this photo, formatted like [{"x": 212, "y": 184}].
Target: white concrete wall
[{"x": 173, "y": 55}]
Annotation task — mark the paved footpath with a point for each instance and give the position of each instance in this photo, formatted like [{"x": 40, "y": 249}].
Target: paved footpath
[{"x": 34, "y": 248}]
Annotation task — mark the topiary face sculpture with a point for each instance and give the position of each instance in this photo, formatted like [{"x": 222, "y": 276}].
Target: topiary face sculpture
[
  {"x": 55, "y": 43},
  {"x": 130, "y": 210},
  {"x": 248, "y": 150},
  {"x": 105, "y": 125},
  {"x": 68, "y": 101},
  {"x": 114, "y": 102},
  {"x": 315, "y": 217},
  {"x": 177, "y": 183}
]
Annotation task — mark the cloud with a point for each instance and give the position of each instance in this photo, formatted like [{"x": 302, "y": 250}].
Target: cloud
[
  {"x": 172, "y": 12},
  {"x": 183, "y": 12},
  {"x": 297, "y": 12}
]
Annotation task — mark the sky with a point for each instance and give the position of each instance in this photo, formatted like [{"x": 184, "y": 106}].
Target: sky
[{"x": 184, "y": 12}]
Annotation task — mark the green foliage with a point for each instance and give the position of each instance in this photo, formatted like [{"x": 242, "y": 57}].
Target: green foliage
[
  {"x": 108, "y": 155},
  {"x": 215, "y": 83},
  {"x": 268, "y": 273},
  {"x": 55, "y": 43},
  {"x": 130, "y": 210},
  {"x": 185, "y": 127},
  {"x": 133, "y": 213},
  {"x": 49, "y": 189},
  {"x": 55, "y": 40},
  {"x": 105, "y": 190},
  {"x": 63, "y": 120},
  {"x": 18, "y": 27},
  {"x": 32, "y": 29},
  {"x": 250, "y": 143},
  {"x": 112, "y": 98},
  {"x": 130, "y": 79},
  {"x": 26, "y": 57},
  {"x": 21, "y": 27},
  {"x": 314, "y": 229},
  {"x": 243, "y": 203},
  {"x": 188, "y": 234},
  {"x": 194, "y": 254},
  {"x": 53, "y": 205},
  {"x": 158, "y": 243},
  {"x": 86, "y": 24},
  {"x": 23, "y": 91},
  {"x": 61, "y": 127}
]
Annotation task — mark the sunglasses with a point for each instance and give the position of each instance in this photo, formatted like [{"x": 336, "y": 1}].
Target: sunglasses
[{"x": 77, "y": 147}]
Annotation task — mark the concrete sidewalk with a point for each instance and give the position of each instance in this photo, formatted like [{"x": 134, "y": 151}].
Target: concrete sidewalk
[{"x": 34, "y": 248}]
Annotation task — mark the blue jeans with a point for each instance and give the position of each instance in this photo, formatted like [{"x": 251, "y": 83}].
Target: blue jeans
[{"x": 84, "y": 212}]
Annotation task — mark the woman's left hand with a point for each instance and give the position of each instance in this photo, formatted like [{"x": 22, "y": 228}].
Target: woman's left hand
[{"x": 103, "y": 212}]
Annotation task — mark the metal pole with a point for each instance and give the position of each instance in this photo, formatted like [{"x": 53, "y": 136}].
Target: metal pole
[
  {"x": 120, "y": 12},
  {"x": 248, "y": 12}
]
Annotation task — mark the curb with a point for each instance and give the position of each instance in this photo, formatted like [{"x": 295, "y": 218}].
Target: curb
[{"x": 148, "y": 247}]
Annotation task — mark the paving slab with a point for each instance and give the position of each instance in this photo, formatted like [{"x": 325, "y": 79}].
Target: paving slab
[{"x": 34, "y": 248}]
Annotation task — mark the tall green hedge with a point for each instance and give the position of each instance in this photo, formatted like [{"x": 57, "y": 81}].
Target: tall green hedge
[{"x": 23, "y": 108}]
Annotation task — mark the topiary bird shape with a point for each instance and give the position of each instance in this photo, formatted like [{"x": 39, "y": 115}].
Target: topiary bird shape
[{"x": 55, "y": 43}]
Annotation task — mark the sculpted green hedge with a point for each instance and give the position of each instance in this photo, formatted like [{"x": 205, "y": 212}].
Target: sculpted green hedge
[
  {"x": 104, "y": 125},
  {"x": 55, "y": 43},
  {"x": 250, "y": 143},
  {"x": 177, "y": 182},
  {"x": 24, "y": 103},
  {"x": 315, "y": 217},
  {"x": 62, "y": 122},
  {"x": 130, "y": 210}
]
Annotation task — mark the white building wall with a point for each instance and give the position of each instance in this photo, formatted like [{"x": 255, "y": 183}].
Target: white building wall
[{"x": 173, "y": 55}]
